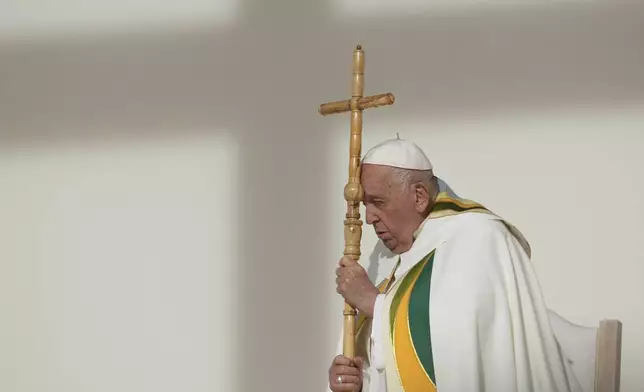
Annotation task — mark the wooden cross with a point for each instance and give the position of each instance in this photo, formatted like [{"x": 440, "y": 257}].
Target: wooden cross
[{"x": 353, "y": 192}]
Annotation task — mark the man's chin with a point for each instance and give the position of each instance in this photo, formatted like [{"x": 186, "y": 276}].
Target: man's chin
[
  {"x": 394, "y": 246},
  {"x": 390, "y": 244}
]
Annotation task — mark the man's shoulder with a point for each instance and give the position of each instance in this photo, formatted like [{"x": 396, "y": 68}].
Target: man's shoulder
[
  {"x": 474, "y": 247},
  {"x": 480, "y": 225},
  {"x": 489, "y": 227}
]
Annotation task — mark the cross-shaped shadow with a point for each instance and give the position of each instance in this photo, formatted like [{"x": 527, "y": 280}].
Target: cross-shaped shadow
[{"x": 264, "y": 80}]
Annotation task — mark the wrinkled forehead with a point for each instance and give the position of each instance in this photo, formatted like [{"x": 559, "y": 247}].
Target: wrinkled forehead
[{"x": 376, "y": 180}]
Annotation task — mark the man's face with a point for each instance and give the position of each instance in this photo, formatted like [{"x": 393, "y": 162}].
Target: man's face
[{"x": 390, "y": 209}]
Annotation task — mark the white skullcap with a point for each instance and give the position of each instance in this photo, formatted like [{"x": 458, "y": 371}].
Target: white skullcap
[{"x": 398, "y": 153}]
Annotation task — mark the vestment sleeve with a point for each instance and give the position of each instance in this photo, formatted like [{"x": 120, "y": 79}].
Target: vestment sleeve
[{"x": 377, "y": 357}]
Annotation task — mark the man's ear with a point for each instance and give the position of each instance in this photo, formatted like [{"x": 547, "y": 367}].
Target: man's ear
[{"x": 421, "y": 194}]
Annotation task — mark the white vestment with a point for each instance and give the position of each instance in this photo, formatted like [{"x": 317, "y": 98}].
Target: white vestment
[{"x": 490, "y": 330}]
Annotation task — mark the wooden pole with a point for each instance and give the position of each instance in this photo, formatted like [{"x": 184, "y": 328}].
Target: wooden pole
[{"x": 353, "y": 191}]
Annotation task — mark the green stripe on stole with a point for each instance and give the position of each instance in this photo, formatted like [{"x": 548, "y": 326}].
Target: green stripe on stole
[
  {"x": 419, "y": 318},
  {"x": 446, "y": 205},
  {"x": 410, "y": 330}
]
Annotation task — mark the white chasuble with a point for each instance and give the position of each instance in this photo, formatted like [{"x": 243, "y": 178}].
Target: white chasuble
[{"x": 463, "y": 313}]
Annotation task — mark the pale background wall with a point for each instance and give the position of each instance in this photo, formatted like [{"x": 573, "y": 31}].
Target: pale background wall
[{"x": 167, "y": 207}]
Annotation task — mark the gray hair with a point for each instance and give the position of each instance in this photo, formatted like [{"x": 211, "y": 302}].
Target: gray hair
[{"x": 406, "y": 177}]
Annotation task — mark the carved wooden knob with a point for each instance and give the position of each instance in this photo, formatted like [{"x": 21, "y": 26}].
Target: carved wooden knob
[{"x": 353, "y": 192}]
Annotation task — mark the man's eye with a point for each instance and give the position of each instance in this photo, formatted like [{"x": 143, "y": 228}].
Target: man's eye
[{"x": 373, "y": 202}]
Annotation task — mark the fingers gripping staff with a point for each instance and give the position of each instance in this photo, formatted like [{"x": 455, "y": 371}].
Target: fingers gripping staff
[
  {"x": 345, "y": 374},
  {"x": 353, "y": 192},
  {"x": 354, "y": 285}
]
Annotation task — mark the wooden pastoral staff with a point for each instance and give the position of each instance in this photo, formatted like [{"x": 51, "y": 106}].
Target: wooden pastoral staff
[{"x": 353, "y": 191}]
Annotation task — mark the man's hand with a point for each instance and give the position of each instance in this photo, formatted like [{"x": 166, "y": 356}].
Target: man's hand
[
  {"x": 345, "y": 375},
  {"x": 354, "y": 285}
]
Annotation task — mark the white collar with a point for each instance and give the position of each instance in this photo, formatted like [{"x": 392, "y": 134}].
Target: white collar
[{"x": 426, "y": 238}]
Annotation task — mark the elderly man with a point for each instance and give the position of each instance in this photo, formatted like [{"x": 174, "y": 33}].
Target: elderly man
[{"x": 461, "y": 310}]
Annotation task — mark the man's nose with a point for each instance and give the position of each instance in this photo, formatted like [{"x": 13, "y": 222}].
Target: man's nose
[{"x": 370, "y": 217}]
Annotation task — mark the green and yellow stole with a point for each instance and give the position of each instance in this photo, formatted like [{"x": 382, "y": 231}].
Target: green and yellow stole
[
  {"x": 410, "y": 353},
  {"x": 446, "y": 205},
  {"x": 409, "y": 307},
  {"x": 409, "y": 329}
]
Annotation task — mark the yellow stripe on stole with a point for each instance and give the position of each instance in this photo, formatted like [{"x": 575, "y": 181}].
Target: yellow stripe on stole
[{"x": 410, "y": 371}]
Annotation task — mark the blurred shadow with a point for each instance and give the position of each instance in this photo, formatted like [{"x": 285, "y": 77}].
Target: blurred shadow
[
  {"x": 379, "y": 252},
  {"x": 263, "y": 81},
  {"x": 480, "y": 60},
  {"x": 498, "y": 59}
]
